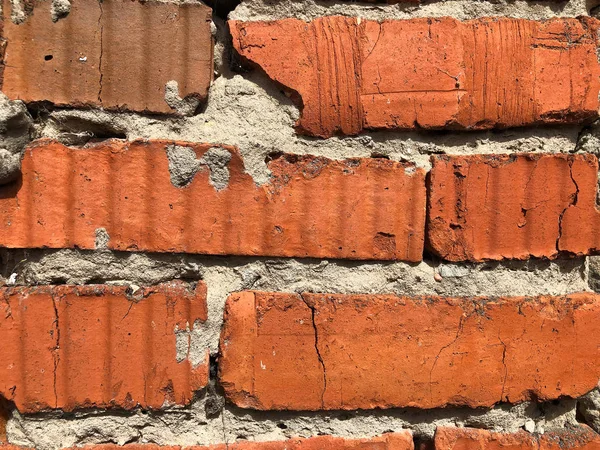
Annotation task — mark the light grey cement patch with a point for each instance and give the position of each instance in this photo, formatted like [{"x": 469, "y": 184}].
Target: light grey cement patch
[
  {"x": 60, "y": 9},
  {"x": 589, "y": 407},
  {"x": 10, "y": 166},
  {"x": 261, "y": 10}
]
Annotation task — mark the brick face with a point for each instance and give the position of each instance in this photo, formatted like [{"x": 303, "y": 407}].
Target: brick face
[
  {"x": 321, "y": 352},
  {"x": 309, "y": 209},
  {"x": 428, "y": 73},
  {"x": 391, "y": 441},
  {"x": 551, "y": 207},
  {"x": 72, "y": 347},
  {"x": 578, "y": 437},
  {"x": 85, "y": 59}
]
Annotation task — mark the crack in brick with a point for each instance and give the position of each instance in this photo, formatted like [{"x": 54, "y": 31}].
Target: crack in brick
[
  {"x": 573, "y": 202},
  {"x": 55, "y": 350},
  {"x": 319, "y": 356},
  {"x": 101, "y": 51},
  {"x": 458, "y": 331},
  {"x": 505, "y": 368}
]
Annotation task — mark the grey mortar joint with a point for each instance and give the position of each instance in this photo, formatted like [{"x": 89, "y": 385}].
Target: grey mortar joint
[
  {"x": 185, "y": 106},
  {"x": 265, "y": 10},
  {"x": 195, "y": 425},
  {"x": 16, "y": 129}
]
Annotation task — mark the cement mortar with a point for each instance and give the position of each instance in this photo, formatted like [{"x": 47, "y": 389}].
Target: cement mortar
[
  {"x": 589, "y": 407},
  {"x": 250, "y": 113},
  {"x": 192, "y": 425},
  {"x": 261, "y": 10}
]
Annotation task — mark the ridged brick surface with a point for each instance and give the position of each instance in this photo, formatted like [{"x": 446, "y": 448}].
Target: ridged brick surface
[
  {"x": 493, "y": 207},
  {"x": 69, "y": 347},
  {"x": 106, "y": 53},
  {"x": 370, "y": 208},
  {"x": 351, "y": 75},
  {"x": 575, "y": 437}
]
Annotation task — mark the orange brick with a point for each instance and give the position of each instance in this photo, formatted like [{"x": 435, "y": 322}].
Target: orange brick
[
  {"x": 283, "y": 351},
  {"x": 491, "y": 207},
  {"x": 391, "y": 441},
  {"x": 580, "y": 437},
  {"x": 117, "y": 54},
  {"x": 73, "y": 347},
  {"x": 370, "y": 208},
  {"x": 350, "y": 75}
]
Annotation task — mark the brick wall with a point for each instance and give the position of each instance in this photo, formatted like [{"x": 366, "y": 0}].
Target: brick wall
[{"x": 299, "y": 225}]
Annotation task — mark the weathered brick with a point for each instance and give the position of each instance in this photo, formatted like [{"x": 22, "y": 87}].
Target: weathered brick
[
  {"x": 390, "y": 441},
  {"x": 513, "y": 206},
  {"x": 350, "y": 74},
  {"x": 108, "y": 53},
  {"x": 70, "y": 347},
  {"x": 282, "y": 351},
  {"x": 579, "y": 437},
  {"x": 370, "y": 208}
]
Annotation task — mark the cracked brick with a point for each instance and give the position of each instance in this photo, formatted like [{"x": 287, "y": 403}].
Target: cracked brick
[
  {"x": 116, "y": 54},
  {"x": 69, "y": 347},
  {"x": 385, "y": 351},
  {"x": 493, "y": 207},
  {"x": 350, "y": 75}
]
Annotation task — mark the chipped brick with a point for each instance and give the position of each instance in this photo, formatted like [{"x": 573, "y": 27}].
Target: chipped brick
[
  {"x": 117, "y": 54},
  {"x": 492, "y": 207},
  {"x": 283, "y": 351},
  {"x": 313, "y": 206},
  {"x": 350, "y": 75},
  {"x": 101, "y": 346}
]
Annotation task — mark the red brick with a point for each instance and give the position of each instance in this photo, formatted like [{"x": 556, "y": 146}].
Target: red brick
[
  {"x": 390, "y": 441},
  {"x": 70, "y": 347},
  {"x": 350, "y": 75},
  {"x": 283, "y": 351},
  {"x": 513, "y": 206},
  {"x": 579, "y": 437},
  {"x": 117, "y": 54},
  {"x": 370, "y": 208}
]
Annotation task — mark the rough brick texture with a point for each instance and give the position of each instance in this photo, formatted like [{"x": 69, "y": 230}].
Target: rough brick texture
[
  {"x": 71, "y": 347},
  {"x": 350, "y": 74},
  {"x": 316, "y": 351},
  {"x": 310, "y": 207},
  {"x": 513, "y": 206},
  {"x": 107, "y": 53},
  {"x": 579, "y": 437},
  {"x": 401, "y": 440},
  {"x": 391, "y": 441}
]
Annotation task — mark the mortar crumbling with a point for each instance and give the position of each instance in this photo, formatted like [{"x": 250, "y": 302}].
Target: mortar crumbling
[{"x": 249, "y": 111}]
